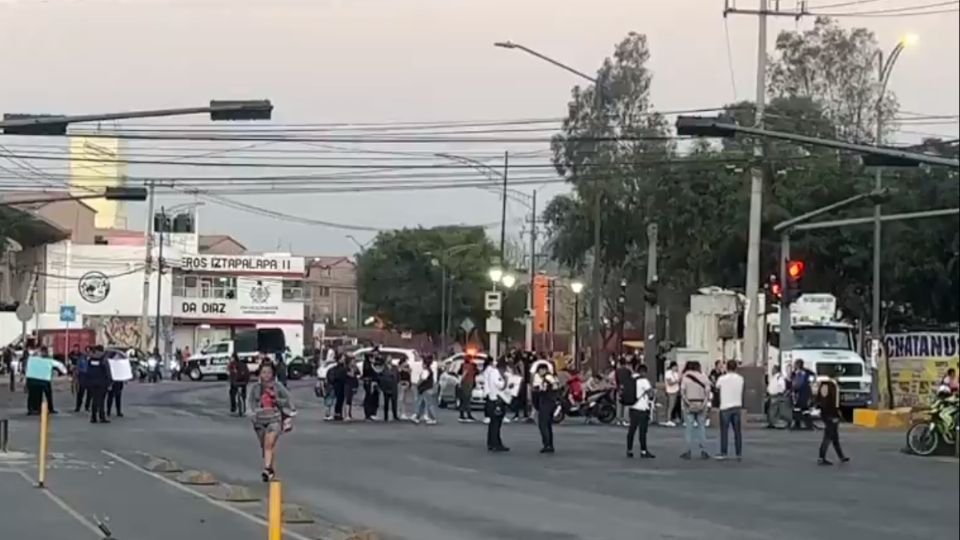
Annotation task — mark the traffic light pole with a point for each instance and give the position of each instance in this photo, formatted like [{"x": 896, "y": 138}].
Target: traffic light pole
[{"x": 786, "y": 328}]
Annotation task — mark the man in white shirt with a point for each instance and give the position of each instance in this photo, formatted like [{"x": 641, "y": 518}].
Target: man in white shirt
[
  {"x": 497, "y": 398},
  {"x": 730, "y": 386},
  {"x": 672, "y": 386},
  {"x": 777, "y": 405},
  {"x": 640, "y": 413}
]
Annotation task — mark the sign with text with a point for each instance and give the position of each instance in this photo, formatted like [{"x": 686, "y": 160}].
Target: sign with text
[
  {"x": 918, "y": 361},
  {"x": 256, "y": 299},
  {"x": 249, "y": 264},
  {"x": 492, "y": 301}
]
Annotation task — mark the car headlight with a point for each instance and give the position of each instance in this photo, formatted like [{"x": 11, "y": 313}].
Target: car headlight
[{"x": 865, "y": 386}]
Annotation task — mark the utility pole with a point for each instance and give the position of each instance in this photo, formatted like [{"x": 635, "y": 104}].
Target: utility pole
[
  {"x": 751, "y": 356},
  {"x": 503, "y": 210},
  {"x": 596, "y": 286},
  {"x": 650, "y": 342},
  {"x": 147, "y": 268},
  {"x": 528, "y": 336},
  {"x": 159, "y": 325}
]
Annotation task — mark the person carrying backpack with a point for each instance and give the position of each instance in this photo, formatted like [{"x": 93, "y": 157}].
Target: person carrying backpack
[
  {"x": 639, "y": 398},
  {"x": 695, "y": 399}
]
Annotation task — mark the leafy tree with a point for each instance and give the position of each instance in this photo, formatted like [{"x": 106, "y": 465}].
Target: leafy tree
[
  {"x": 400, "y": 276},
  {"x": 836, "y": 67}
]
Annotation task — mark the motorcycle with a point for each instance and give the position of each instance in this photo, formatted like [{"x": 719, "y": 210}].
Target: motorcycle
[
  {"x": 937, "y": 426},
  {"x": 600, "y": 405},
  {"x": 153, "y": 369}
]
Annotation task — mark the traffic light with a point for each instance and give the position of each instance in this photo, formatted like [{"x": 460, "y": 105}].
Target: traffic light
[
  {"x": 774, "y": 290},
  {"x": 650, "y": 292},
  {"x": 622, "y": 299},
  {"x": 794, "y": 281}
]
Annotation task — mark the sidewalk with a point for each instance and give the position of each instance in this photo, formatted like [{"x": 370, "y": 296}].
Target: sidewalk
[{"x": 83, "y": 488}]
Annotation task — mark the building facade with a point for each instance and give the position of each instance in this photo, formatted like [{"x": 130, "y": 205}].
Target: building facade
[
  {"x": 215, "y": 296},
  {"x": 331, "y": 292}
]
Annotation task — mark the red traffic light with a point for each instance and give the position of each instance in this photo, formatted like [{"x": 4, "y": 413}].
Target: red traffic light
[
  {"x": 795, "y": 269},
  {"x": 776, "y": 290}
]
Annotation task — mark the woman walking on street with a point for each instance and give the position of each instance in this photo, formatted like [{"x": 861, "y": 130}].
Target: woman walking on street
[{"x": 273, "y": 413}]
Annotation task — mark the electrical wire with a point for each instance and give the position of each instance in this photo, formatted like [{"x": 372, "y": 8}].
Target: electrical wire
[{"x": 912, "y": 11}]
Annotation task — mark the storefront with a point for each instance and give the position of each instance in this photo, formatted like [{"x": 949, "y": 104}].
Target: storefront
[{"x": 214, "y": 296}]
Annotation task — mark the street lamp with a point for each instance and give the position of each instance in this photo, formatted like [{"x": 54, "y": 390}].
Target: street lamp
[
  {"x": 508, "y": 280},
  {"x": 577, "y": 288},
  {"x": 495, "y": 274},
  {"x": 599, "y": 90},
  {"x": 886, "y": 68}
]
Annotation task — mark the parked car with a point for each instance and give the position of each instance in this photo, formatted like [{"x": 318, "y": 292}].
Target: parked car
[
  {"x": 449, "y": 393},
  {"x": 394, "y": 354}
]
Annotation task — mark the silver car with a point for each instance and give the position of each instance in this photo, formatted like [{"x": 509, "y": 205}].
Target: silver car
[{"x": 449, "y": 394}]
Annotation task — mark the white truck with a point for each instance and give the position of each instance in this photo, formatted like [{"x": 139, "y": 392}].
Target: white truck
[{"x": 826, "y": 345}]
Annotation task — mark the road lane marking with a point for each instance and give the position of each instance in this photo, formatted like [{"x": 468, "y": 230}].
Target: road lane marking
[
  {"x": 199, "y": 495},
  {"x": 97, "y": 533}
]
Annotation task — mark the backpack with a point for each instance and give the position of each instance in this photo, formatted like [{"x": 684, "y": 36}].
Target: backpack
[
  {"x": 697, "y": 405},
  {"x": 628, "y": 391},
  {"x": 243, "y": 372},
  {"x": 427, "y": 383}
]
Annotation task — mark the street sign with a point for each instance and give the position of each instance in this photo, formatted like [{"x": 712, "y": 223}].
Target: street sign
[
  {"x": 24, "y": 312},
  {"x": 68, "y": 313},
  {"x": 492, "y": 301},
  {"x": 494, "y": 325},
  {"x": 467, "y": 325}
]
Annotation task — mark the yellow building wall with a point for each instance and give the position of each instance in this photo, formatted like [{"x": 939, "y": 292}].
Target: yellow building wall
[{"x": 93, "y": 167}]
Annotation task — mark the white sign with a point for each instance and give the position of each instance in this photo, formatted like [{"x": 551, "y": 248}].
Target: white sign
[
  {"x": 120, "y": 370},
  {"x": 244, "y": 264},
  {"x": 494, "y": 325},
  {"x": 255, "y": 299},
  {"x": 492, "y": 301}
]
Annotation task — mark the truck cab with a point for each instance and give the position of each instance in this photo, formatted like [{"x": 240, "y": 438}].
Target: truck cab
[{"x": 827, "y": 347}]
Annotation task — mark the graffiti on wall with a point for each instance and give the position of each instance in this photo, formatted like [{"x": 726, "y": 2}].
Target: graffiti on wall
[{"x": 117, "y": 331}]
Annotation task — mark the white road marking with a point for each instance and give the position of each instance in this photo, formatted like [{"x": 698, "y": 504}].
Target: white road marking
[
  {"x": 92, "y": 527},
  {"x": 199, "y": 495}
]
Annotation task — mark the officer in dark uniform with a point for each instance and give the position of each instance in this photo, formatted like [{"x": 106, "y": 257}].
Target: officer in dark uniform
[
  {"x": 97, "y": 381},
  {"x": 545, "y": 385},
  {"x": 828, "y": 397}
]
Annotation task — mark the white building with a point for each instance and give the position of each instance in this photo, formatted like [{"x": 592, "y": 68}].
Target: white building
[{"x": 214, "y": 296}]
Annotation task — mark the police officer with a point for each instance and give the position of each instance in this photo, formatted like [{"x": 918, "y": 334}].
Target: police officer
[
  {"x": 494, "y": 390},
  {"x": 828, "y": 397},
  {"x": 97, "y": 381},
  {"x": 545, "y": 388}
]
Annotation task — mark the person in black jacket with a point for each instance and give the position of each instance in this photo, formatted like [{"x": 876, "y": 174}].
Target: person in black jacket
[
  {"x": 389, "y": 380},
  {"x": 828, "y": 397},
  {"x": 338, "y": 378},
  {"x": 97, "y": 381},
  {"x": 371, "y": 393}
]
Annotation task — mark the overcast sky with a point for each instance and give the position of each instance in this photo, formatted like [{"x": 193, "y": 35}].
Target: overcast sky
[{"x": 355, "y": 61}]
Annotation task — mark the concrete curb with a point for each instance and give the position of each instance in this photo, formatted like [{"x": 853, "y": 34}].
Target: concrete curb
[{"x": 882, "y": 419}]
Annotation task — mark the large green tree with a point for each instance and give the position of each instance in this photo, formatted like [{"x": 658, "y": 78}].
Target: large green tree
[
  {"x": 400, "y": 275},
  {"x": 822, "y": 83}
]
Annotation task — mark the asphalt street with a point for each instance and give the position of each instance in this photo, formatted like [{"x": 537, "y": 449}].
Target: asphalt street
[{"x": 439, "y": 482}]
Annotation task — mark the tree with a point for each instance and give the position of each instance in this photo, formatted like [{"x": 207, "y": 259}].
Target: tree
[
  {"x": 838, "y": 69},
  {"x": 401, "y": 275}
]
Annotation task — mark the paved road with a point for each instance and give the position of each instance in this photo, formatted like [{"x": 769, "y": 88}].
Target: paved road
[{"x": 424, "y": 483}]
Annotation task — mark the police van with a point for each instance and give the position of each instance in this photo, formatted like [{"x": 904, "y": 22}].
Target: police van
[{"x": 212, "y": 360}]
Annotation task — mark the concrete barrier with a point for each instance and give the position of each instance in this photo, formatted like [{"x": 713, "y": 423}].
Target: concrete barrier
[
  {"x": 882, "y": 419},
  {"x": 232, "y": 493},
  {"x": 161, "y": 465},
  {"x": 196, "y": 478}
]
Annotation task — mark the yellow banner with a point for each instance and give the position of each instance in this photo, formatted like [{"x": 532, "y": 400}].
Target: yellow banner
[{"x": 917, "y": 362}]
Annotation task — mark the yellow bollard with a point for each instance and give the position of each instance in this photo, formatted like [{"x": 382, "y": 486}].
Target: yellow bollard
[
  {"x": 42, "y": 467},
  {"x": 275, "y": 513}
]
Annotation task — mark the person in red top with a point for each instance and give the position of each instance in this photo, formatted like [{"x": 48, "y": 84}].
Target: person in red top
[
  {"x": 575, "y": 387},
  {"x": 468, "y": 380}
]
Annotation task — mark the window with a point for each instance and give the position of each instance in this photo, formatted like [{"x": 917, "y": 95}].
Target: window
[
  {"x": 292, "y": 290},
  {"x": 321, "y": 291},
  {"x": 205, "y": 287}
]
